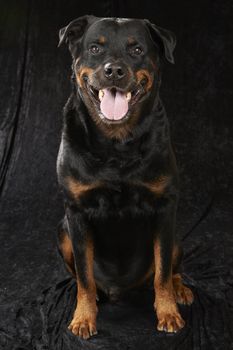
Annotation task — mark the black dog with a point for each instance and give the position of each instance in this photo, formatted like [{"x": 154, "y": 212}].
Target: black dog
[{"x": 117, "y": 169}]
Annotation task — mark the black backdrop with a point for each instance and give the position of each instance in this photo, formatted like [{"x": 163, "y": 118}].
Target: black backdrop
[{"x": 36, "y": 294}]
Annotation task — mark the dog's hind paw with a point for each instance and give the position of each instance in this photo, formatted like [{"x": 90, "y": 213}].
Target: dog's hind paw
[{"x": 183, "y": 295}]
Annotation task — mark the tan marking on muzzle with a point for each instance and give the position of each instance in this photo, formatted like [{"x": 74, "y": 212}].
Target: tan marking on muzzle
[
  {"x": 83, "y": 71},
  {"x": 142, "y": 74}
]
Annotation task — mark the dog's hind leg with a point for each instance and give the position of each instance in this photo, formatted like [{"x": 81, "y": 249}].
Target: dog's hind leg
[
  {"x": 169, "y": 318},
  {"x": 65, "y": 247},
  {"x": 183, "y": 294}
]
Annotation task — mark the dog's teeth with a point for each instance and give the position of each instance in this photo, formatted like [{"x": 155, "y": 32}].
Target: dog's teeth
[
  {"x": 128, "y": 96},
  {"x": 101, "y": 95}
]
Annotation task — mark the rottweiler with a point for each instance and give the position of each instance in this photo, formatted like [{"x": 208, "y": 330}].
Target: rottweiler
[{"x": 117, "y": 169}]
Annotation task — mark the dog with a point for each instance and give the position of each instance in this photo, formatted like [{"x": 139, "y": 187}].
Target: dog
[{"x": 117, "y": 169}]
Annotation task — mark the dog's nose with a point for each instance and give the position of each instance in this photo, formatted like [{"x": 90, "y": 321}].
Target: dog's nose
[{"x": 114, "y": 71}]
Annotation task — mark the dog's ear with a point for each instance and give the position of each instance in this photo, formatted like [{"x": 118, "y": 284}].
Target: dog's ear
[
  {"x": 73, "y": 32},
  {"x": 163, "y": 38}
]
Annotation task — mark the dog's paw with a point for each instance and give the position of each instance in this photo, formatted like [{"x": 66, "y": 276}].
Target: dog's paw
[
  {"x": 183, "y": 295},
  {"x": 83, "y": 327},
  {"x": 170, "y": 322}
]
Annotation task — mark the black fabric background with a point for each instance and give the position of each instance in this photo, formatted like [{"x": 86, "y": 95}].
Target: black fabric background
[{"x": 36, "y": 294}]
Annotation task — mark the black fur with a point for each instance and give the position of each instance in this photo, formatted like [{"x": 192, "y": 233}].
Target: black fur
[{"x": 122, "y": 216}]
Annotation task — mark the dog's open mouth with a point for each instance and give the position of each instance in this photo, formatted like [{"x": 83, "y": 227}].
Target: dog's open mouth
[{"x": 113, "y": 104}]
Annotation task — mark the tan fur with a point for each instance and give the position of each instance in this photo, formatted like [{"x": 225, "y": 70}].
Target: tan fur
[
  {"x": 131, "y": 40},
  {"x": 183, "y": 294},
  {"x": 114, "y": 131},
  {"x": 66, "y": 245},
  {"x": 159, "y": 185},
  {"x": 142, "y": 74},
  {"x": 167, "y": 313},
  {"x": 84, "y": 319},
  {"x": 67, "y": 252},
  {"x": 81, "y": 72},
  {"x": 102, "y": 40},
  {"x": 77, "y": 189}
]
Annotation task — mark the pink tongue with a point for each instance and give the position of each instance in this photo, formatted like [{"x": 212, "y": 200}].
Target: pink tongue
[{"x": 114, "y": 107}]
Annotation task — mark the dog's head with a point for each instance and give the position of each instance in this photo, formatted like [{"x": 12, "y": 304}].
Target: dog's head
[{"x": 117, "y": 64}]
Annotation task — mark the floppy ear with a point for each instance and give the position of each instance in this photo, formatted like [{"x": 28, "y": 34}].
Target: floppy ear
[
  {"x": 73, "y": 32},
  {"x": 165, "y": 39}
]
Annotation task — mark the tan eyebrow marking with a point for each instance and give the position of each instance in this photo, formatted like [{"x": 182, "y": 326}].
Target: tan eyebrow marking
[
  {"x": 131, "y": 40},
  {"x": 102, "y": 39}
]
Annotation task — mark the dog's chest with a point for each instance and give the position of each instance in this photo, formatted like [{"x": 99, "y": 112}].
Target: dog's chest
[{"x": 119, "y": 199}]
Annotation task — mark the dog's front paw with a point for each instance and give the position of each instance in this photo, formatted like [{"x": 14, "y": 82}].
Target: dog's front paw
[
  {"x": 83, "y": 326},
  {"x": 170, "y": 322}
]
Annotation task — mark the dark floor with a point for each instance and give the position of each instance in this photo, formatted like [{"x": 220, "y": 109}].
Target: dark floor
[{"x": 34, "y": 85}]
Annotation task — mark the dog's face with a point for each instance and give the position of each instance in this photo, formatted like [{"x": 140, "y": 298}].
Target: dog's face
[{"x": 117, "y": 64}]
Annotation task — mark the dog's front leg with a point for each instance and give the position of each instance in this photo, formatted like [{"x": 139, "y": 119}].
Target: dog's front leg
[
  {"x": 83, "y": 323},
  {"x": 169, "y": 318}
]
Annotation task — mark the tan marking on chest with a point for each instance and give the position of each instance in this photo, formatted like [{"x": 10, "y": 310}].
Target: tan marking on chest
[
  {"x": 77, "y": 188},
  {"x": 159, "y": 185}
]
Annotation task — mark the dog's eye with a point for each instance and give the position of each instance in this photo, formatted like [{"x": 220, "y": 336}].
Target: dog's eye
[
  {"x": 94, "y": 49},
  {"x": 137, "y": 51}
]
